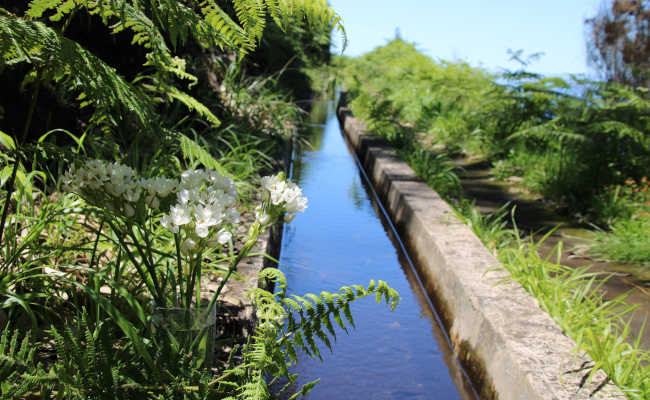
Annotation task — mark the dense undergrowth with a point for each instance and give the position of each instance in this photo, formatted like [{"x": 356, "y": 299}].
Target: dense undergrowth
[
  {"x": 582, "y": 145},
  {"x": 134, "y": 135},
  {"x": 572, "y": 141}
]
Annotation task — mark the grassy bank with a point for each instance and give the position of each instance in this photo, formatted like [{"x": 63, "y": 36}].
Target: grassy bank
[{"x": 583, "y": 150}]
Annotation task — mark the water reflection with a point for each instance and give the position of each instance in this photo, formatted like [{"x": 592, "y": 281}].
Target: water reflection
[
  {"x": 355, "y": 193},
  {"x": 340, "y": 240}
]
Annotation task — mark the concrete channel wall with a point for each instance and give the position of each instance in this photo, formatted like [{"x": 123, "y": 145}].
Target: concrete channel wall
[{"x": 510, "y": 347}]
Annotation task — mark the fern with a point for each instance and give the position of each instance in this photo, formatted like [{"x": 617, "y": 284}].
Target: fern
[
  {"x": 195, "y": 153},
  {"x": 87, "y": 366},
  {"x": 229, "y": 32},
  {"x": 14, "y": 359},
  {"x": 38, "y": 7},
  {"x": 63, "y": 60},
  {"x": 251, "y": 14},
  {"x": 192, "y": 104},
  {"x": 288, "y": 323},
  {"x": 19, "y": 372}
]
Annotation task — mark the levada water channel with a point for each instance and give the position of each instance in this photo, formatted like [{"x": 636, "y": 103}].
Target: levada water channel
[{"x": 342, "y": 239}]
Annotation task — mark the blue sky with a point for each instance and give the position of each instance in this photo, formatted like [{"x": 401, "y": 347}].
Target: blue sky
[{"x": 477, "y": 31}]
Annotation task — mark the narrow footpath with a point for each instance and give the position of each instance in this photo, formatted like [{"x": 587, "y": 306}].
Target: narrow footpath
[{"x": 532, "y": 215}]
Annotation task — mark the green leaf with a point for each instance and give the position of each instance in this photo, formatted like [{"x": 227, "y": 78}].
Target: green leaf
[{"x": 7, "y": 141}]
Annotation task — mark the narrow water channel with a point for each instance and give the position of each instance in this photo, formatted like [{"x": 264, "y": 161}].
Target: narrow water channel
[{"x": 343, "y": 239}]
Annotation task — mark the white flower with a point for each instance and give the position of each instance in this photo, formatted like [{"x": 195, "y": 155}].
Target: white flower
[
  {"x": 178, "y": 216},
  {"x": 166, "y": 221},
  {"x": 133, "y": 194},
  {"x": 158, "y": 186},
  {"x": 191, "y": 179},
  {"x": 210, "y": 200},
  {"x": 293, "y": 199},
  {"x": 185, "y": 196},
  {"x": 223, "y": 236},
  {"x": 262, "y": 216},
  {"x": 205, "y": 217},
  {"x": 284, "y": 194}
]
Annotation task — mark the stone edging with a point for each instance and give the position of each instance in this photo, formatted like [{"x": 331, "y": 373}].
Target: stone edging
[
  {"x": 234, "y": 295},
  {"x": 509, "y": 346}
]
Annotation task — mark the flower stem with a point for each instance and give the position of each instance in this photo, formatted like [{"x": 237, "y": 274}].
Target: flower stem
[{"x": 254, "y": 233}]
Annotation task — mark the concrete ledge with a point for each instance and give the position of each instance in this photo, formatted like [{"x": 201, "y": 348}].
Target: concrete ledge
[{"x": 509, "y": 346}]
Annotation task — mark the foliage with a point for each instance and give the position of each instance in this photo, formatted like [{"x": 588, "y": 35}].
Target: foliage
[
  {"x": 567, "y": 144},
  {"x": 573, "y": 299},
  {"x": 572, "y": 146},
  {"x": 288, "y": 324},
  {"x": 491, "y": 228},
  {"x": 117, "y": 301},
  {"x": 624, "y": 201},
  {"x": 93, "y": 362},
  {"x": 618, "y": 41},
  {"x": 625, "y": 209},
  {"x": 628, "y": 241}
]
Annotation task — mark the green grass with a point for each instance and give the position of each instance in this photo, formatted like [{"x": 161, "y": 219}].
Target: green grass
[
  {"x": 565, "y": 147},
  {"x": 573, "y": 299},
  {"x": 568, "y": 148},
  {"x": 628, "y": 241}
]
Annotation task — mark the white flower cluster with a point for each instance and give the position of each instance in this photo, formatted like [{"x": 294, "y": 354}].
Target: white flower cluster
[
  {"x": 206, "y": 202},
  {"x": 282, "y": 196},
  {"x": 116, "y": 186},
  {"x": 205, "y": 207}
]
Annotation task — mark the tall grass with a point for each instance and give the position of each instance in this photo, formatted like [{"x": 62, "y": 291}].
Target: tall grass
[
  {"x": 570, "y": 148},
  {"x": 567, "y": 145}
]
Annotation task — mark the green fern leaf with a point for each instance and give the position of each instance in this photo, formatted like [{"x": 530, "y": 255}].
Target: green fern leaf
[
  {"x": 251, "y": 14},
  {"x": 65, "y": 60},
  {"x": 229, "y": 32},
  {"x": 348, "y": 314},
  {"x": 38, "y": 7},
  {"x": 194, "y": 152},
  {"x": 192, "y": 104}
]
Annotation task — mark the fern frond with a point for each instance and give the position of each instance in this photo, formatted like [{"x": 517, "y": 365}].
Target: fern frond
[
  {"x": 316, "y": 12},
  {"x": 196, "y": 154},
  {"x": 192, "y": 103},
  {"x": 252, "y": 16},
  {"x": 275, "y": 11},
  {"x": 256, "y": 389},
  {"x": 229, "y": 32},
  {"x": 305, "y": 389},
  {"x": 19, "y": 373},
  {"x": 277, "y": 277},
  {"x": 65, "y": 60},
  {"x": 549, "y": 131},
  {"x": 38, "y": 7}
]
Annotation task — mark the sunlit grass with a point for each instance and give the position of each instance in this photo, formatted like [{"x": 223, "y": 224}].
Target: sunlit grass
[
  {"x": 628, "y": 241},
  {"x": 564, "y": 147}
]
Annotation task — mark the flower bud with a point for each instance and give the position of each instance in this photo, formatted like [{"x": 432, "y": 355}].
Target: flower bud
[{"x": 188, "y": 246}]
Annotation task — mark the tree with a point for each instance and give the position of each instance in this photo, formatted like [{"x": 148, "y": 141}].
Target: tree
[{"x": 618, "y": 41}]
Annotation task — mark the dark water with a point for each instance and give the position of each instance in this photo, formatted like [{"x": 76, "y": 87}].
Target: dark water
[{"x": 340, "y": 240}]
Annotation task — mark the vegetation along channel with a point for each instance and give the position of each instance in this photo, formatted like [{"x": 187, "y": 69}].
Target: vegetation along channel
[
  {"x": 152, "y": 153},
  {"x": 344, "y": 237}
]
